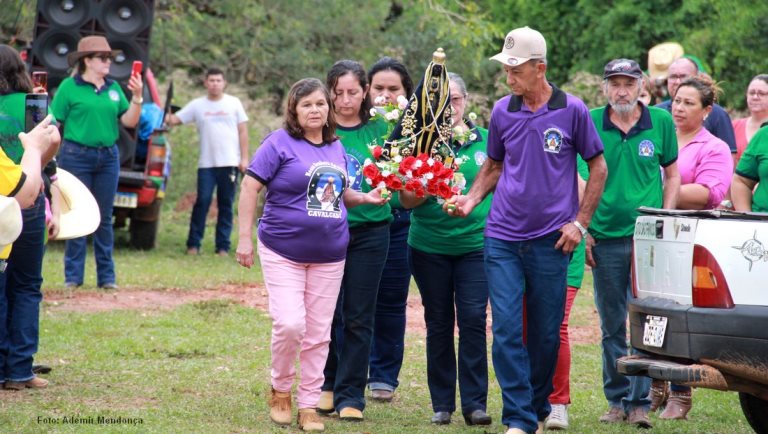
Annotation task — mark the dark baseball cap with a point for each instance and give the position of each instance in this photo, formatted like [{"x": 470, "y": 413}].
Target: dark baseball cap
[{"x": 625, "y": 67}]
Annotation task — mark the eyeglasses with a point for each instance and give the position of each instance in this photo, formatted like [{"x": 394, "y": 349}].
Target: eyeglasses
[
  {"x": 677, "y": 77},
  {"x": 103, "y": 57},
  {"x": 757, "y": 93}
]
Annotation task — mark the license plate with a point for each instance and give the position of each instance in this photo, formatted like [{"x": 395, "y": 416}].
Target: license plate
[
  {"x": 654, "y": 331},
  {"x": 126, "y": 200}
]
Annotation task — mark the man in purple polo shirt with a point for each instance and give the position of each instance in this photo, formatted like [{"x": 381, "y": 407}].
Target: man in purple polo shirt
[{"x": 535, "y": 221}]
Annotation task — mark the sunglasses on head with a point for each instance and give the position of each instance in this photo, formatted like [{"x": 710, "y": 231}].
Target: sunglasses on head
[{"x": 104, "y": 57}]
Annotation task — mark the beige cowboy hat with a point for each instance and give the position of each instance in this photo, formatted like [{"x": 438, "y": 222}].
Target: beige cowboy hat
[
  {"x": 661, "y": 56},
  {"x": 90, "y": 45},
  {"x": 79, "y": 211},
  {"x": 10, "y": 221}
]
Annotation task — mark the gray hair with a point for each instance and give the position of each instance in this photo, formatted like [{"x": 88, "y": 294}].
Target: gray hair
[{"x": 456, "y": 78}]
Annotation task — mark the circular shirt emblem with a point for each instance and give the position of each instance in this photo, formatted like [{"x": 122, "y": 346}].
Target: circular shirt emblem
[
  {"x": 480, "y": 158},
  {"x": 645, "y": 148},
  {"x": 553, "y": 140},
  {"x": 114, "y": 96},
  {"x": 509, "y": 43}
]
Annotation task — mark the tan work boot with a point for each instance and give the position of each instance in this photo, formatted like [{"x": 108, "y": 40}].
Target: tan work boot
[
  {"x": 35, "y": 383},
  {"x": 659, "y": 394},
  {"x": 309, "y": 420},
  {"x": 325, "y": 403},
  {"x": 639, "y": 416},
  {"x": 678, "y": 405},
  {"x": 280, "y": 407},
  {"x": 614, "y": 415}
]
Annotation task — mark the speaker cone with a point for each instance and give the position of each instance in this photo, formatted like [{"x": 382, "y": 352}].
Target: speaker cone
[
  {"x": 65, "y": 13},
  {"x": 52, "y": 47},
  {"x": 121, "y": 66},
  {"x": 124, "y": 17}
]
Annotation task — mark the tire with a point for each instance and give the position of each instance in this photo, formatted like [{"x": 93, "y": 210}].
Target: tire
[
  {"x": 143, "y": 234},
  {"x": 756, "y": 412}
]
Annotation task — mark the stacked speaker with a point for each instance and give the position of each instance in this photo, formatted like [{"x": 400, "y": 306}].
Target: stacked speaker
[{"x": 127, "y": 25}]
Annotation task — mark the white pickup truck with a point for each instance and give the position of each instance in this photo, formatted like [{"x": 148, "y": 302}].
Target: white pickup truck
[{"x": 700, "y": 309}]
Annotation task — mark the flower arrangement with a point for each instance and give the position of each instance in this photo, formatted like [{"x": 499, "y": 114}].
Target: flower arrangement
[
  {"x": 389, "y": 112},
  {"x": 420, "y": 174}
]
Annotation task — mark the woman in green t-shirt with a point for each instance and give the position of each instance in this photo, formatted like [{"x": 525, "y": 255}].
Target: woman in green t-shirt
[
  {"x": 446, "y": 259},
  {"x": 750, "y": 172}
]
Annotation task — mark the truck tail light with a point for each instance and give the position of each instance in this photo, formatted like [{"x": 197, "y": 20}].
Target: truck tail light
[
  {"x": 710, "y": 289},
  {"x": 156, "y": 160}
]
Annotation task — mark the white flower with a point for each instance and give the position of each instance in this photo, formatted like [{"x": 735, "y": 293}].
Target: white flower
[
  {"x": 379, "y": 100},
  {"x": 472, "y": 136},
  {"x": 457, "y": 130},
  {"x": 417, "y": 164},
  {"x": 430, "y": 162},
  {"x": 409, "y": 173},
  {"x": 386, "y": 173},
  {"x": 402, "y": 102},
  {"x": 472, "y": 116},
  {"x": 429, "y": 175},
  {"x": 390, "y": 116},
  {"x": 398, "y": 158},
  {"x": 381, "y": 184},
  {"x": 367, "y": 162},
  {"x": 373, "y": 112},
  {"x": 369, "y": 181}
]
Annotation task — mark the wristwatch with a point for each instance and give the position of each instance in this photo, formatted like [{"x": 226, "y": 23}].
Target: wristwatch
[
  {"x": 138, "y": 100},
  {"x": 581, "y": 228}
]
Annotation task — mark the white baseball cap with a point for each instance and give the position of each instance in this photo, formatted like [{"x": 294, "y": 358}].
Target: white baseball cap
[{"x": 522, "y": 45}]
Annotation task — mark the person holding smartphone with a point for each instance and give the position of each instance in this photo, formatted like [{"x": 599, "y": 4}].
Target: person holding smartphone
[
  {"x": 21, "y": 270},
  {"x": 90, "y": 105}
]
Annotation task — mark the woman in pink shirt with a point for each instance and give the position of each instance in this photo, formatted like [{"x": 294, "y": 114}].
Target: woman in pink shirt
[
  {"x": 757, "y": 102},
  {"x": 706, "y": 168},
  {"x": 705, "y": 162}
]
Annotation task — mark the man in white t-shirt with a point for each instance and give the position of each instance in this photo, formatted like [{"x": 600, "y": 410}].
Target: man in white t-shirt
[{"x": 222, "y": 126}]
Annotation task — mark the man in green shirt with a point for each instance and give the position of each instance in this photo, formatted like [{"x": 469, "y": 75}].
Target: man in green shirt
[{"x": 639, "y": 142}]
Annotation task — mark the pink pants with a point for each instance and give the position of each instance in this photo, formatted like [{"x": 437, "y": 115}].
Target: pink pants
[
  {"x": 302, "y": 299},
  {"x": 561, "y": 394}
]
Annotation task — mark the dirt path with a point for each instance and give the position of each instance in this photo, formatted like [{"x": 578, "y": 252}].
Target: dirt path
[{"x": 251, "y": 296}]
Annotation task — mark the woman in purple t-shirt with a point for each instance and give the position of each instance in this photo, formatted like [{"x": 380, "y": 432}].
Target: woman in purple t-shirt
[{"x": 302, "y": 242}]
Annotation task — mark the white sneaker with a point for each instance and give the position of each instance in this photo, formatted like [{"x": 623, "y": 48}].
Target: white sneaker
[{"x": 558, "y": 417}]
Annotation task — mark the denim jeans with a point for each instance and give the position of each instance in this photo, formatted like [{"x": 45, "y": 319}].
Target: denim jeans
[
  {"x": 612, "y": 280},
  {"x": 454, "y": 290},
  {"x": 224, "y": 180},
  {"x": 389, "y": 328},
  {"x": 347, "y": 366},
  {"x": 20, "y": 297},
  {"x": 99, "y": 170},
  {"x": 538, "y": 270}
]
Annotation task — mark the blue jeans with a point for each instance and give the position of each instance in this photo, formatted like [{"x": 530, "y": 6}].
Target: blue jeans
[
  {"x": 20, "y": 297},
  {"x": 538, "y": 270},
  {"x": 99, "y": 170},
  {"x": 389, "y": 328},
  {"x": 612, "y": 292},
  {"x": 224, "y": 180},
  {"x": 347, "y": 366},
  {"x": 454, "y": 290}
]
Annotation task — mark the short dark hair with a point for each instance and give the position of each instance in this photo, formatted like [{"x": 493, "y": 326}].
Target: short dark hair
[
  {"x": 342, "y": 68},
  {"x": 390, "y": 64},
  {"x": 214, "y": 71},
  {"x": 13, "y": 73},
  {"x": 298, "y": 91}
]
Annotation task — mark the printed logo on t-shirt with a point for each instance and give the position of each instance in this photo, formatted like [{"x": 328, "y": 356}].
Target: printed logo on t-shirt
[
  {"x": 114, "y": 96},
  {"x": 645, "y": 148},
  {"x": 553, "y": 140},
  {"x": 325, "y": 190},
  {"x": 354, "y": 169},
  {"x": 480, "y": 158}
]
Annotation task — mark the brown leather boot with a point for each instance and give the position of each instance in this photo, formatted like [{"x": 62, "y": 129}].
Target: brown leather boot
[
  {"x": 309, "y": 420},
  {"x": 678, "y": 405},
  {"x": 659, "y": 393},
  {"x": 280, "y": 407}
]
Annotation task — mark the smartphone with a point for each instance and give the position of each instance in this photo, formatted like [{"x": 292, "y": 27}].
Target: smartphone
[
  {"x": 35, "y": 109},
  {"x": 136, "y": 69},
  {"x": 40, "y": 79}
]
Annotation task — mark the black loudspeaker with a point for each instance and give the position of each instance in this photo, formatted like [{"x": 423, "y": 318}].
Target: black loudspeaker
[{"x": 127, "y": 25}]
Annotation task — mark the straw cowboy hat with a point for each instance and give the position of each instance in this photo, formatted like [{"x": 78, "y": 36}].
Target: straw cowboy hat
[
  {"x": 10, "y": 221},
  {"x": 661, "y": 56},
  {"x": 79, "y": 211},
  {"x": 90, "y": 45}
]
